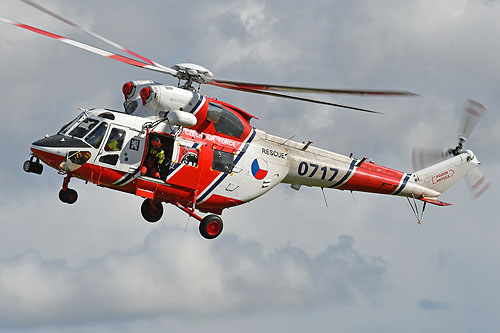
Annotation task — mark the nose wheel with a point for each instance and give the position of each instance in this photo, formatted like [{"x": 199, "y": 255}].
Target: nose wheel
[
  {"x": 66, "y": 194},
  {"x": 69, "y": 196}
]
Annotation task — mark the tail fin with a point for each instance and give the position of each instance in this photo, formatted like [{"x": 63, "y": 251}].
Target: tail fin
[{"x": 440, "y": 176}]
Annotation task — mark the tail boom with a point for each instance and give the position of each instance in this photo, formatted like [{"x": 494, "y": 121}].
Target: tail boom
[{"x": 318, "y": 168}]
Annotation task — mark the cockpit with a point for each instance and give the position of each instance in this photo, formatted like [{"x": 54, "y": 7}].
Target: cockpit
[{"x": 92, "y": 130}]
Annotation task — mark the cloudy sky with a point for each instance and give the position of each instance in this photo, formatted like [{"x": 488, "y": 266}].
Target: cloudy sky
[{"x": 284, "y": 262}]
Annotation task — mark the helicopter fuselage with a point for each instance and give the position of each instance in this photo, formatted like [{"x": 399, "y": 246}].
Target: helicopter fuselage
[
  {"x": 206, "y": 170},
  {"x": 219, "y": 162}
]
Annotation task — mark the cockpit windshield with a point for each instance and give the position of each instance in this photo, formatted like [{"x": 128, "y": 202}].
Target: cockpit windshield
[
  {"x": 95, "y": 138},
  {"x": 83, "y": 128},
  {"x": 69, "y": 125}
]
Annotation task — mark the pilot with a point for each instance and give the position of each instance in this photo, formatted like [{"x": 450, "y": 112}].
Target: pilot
[
  {"x": 114, "y": 141},
  {"x": 154, "y": 159}
]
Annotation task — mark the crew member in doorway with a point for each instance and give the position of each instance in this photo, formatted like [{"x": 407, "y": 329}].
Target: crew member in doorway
[{"x": 154, "y": 159}]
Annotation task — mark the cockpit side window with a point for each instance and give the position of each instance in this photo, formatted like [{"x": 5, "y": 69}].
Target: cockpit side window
[
  {"x": 95, "y": 138},
  {"x": 83, "y": 128},
  {"x": 225, "y": 121},
  {"x": 115, "y": 141}
]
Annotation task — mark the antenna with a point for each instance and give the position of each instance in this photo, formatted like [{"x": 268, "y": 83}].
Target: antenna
[
  {"x": 324, "y": 196},
  {"x": 290, "y": 138}
]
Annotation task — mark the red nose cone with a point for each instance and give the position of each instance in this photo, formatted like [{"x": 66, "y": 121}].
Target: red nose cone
[
  {"x": 127, "y": 89},
  {"x": 145, "y": 93}
]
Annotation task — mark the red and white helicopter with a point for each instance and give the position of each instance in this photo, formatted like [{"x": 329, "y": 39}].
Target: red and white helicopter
[{"x": 175, "y": 145}]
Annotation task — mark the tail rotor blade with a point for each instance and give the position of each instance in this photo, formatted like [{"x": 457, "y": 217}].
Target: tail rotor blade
[
  {"x": 478, "y": 182},
  {"x": 472, "y": 113},
  {"x": 423, "y": 157}
]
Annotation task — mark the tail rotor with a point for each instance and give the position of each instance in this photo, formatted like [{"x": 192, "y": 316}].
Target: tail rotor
[{"x": 423, "y": 157}]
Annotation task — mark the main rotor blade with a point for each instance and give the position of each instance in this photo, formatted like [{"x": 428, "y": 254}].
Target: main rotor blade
[
  {"x": 271, "y": 87},
  {"x": 91, "y": 33},
  {"x": 93, "y": 49},
  {"x": 478, "y": 182},
  {"x": 423, "y": 157},
  {"x": 268, "y": 93},
  {"x": 472, "y": 113}
]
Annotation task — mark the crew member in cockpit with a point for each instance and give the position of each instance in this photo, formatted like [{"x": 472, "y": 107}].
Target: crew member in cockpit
[
  {"x": 154, "y": 159},
  {"x": 115, "y": 141}
]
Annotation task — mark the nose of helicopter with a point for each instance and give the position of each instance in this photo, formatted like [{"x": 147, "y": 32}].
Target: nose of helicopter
[{"x": 52, "y": 149}]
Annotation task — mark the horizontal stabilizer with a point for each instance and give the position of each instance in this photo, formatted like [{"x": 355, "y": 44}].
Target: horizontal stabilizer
[{"x": 435, "y": 202}]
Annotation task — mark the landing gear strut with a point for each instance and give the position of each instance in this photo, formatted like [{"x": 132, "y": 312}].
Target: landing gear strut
[
  {"x": 33, "y": 165},
  {"x": 418, "y": 214},
  {"x": 66, "y": 194},
  {"x": 210, "y": 226},
  {"x": 151, "y": 210}
]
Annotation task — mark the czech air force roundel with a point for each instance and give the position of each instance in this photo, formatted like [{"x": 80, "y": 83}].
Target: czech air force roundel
[{"x": 259, "y": 168}]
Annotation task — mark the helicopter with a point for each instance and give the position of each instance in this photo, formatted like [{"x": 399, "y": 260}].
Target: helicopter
[{"x": 172, "y": 144}]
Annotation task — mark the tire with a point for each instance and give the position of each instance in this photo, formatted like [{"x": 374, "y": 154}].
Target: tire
[
  {"x": 211, "y": 226},
  {"x": 62, "y": 196},
  {"x": 70, "y": 196},
  {"x": 149, "y": 213}
]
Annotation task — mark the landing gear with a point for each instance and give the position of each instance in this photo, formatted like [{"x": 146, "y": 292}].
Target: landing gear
[
  {"x": 66, "y": 194},
  {"x": 33, "y": 165},
  {"x": 418, "y": 214},
  {"x": 211, "y": 226},
  {"x": 69, "y": 196},
  {"x": 152, "y": 211}
]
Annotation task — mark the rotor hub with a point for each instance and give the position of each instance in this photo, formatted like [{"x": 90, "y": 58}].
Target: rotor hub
[{"x": 192, "y": 73}]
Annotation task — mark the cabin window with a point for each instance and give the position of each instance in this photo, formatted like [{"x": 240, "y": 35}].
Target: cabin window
[
  {"x": 83, "y": 128},
  {"x": 223, "y": 161},
  {"x": 109, "y": 159},
  {"x": 95, "y": 138},
  {"x": 115, "y": 141},
  {"x": 78, "y": 157},
  {"x": 225, "y": 121}
]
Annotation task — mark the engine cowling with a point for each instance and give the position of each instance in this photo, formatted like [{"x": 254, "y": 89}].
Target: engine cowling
[
  {"x": 161, "y": 99},
  {"x": 154, "y": 100}
]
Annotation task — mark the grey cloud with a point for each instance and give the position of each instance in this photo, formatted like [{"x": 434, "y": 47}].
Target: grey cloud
[
  {"x": 173, "y": 274},
  {"x": 432, "y": 305}
]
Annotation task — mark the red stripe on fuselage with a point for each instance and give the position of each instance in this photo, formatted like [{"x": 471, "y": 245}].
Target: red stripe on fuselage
[
  {"x": 105, "y": 177},
  {"x": 370, "y": 177},
  {"x": 52, "y": 160}
]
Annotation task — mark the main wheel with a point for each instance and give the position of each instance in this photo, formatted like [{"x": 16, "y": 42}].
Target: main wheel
[
  {"x": 151, "y": 211},
  {"x": 69, "y": 196},
  {"x": 211, "y": 226}
]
